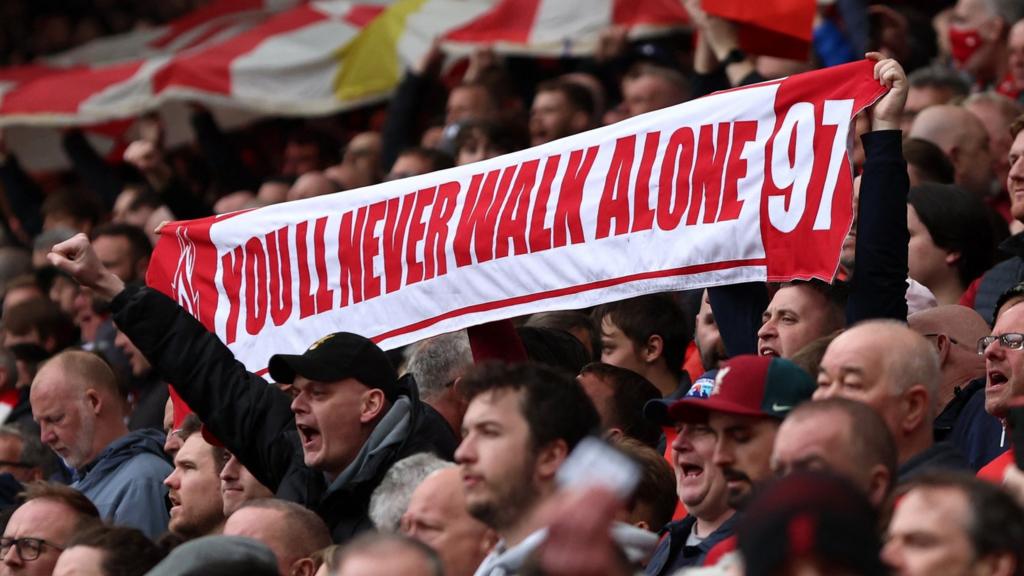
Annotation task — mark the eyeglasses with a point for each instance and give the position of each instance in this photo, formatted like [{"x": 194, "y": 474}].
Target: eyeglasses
[
  {"x": 1010, "y": 340},
  {"x": 28, "y": 548}
]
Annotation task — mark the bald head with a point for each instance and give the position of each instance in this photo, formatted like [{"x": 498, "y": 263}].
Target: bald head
[
  {"x": 293, "y": 532},
  {"x": 75, "y": 400},
  {"x": 954, "y": 331},
  {"x": 964, "y": 139},
  {"x": 79, "y": 371}
]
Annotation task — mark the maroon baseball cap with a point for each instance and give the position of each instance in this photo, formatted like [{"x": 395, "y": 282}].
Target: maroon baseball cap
[{"x": 749, "y": 385}]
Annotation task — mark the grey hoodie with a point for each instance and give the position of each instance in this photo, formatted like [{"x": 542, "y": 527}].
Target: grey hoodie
[{"x": 125, "y": 482}]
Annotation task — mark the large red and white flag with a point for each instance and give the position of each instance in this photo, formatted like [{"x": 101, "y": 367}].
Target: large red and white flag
[{"x": 751, "y": 184}]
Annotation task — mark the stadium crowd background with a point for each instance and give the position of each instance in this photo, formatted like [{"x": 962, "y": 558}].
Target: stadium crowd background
[{"x": 859, "y": 427}]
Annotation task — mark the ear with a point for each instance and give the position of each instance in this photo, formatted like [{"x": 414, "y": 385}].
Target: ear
[
  {"x": 952, "y": 258},
  {"x": 302, "y": 567},
  {"x": 915, "y": 403},
  {"x": 372, "y": 405},
  {"x": 93, "y": 400},
  {"x": 878, "y": 485},
  {"x": 579, "y": 121},
  {"x": 613, "y": 434},
  {"x": 141, "y": 266},
  {"x": 549, "y": 460},
  {"x": 653, "y": 349},
  {"x": 943, "y": 345}
]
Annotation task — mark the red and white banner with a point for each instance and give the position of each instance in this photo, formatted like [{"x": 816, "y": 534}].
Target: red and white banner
[{"x": 751, "y": 184}]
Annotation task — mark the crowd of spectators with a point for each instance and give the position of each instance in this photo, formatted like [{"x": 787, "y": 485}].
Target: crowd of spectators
[{"x": 864, "y": 426}]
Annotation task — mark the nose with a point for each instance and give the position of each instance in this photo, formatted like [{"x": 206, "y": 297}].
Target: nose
[
  {"x": 11, "y": 558},
  {"x": 722, "y": 455},
  {"x": 172, "y": 480},
  {"x": 891, "y": 555},
  {"x": 46, "y": 434},
  {"x": 299, "y": 404},
  {"x": 767, "y": 330},
  {"x": 681, "y": 443},
  {"x": 230, "y": 470},
  {"x": 465, "y": 452},
  {"x": 993, "y": 350}
]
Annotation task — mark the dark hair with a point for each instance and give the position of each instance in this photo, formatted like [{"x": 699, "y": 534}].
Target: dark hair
[
  {"x": 328, "y": 150},
  {"x": 43, "y": 316},
  {"x": 835, "y": 295},
  {"x": 809, "y": 357},
  {"x": 931, "y": 162},
  {"x": 1013, "y": 293},
  {"x": 996, "y": 524},
  {"x": 940, "y": 76},
  {"x": 1017, "y": 125},
  {"x": 568, "y": 321},
  {"x": 553, "y": 404},
  {"x": 80, "y": 205},
  {"x": 73, "y": 499},
  {"x": 126, "y": 551},
  {"x": 139, "y": 242},
  {"x": 504, "y": 136},
  {"x": 578, "y": 97},
  {"x": 651, "y": 315},
  {"x": 437, "y": 159},
  {"x": 657, "y": 485},
  {"x": 957, "y": 222},
  {"x": 554, "y": 348},
  {"x": 630, "y": 391},
  {"x": 872, "y": 441}
]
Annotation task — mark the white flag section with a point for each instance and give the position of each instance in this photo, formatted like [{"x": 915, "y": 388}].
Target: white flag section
[{"x": 752, "y": 184}]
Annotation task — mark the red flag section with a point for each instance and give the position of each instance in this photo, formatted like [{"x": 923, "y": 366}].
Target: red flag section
[{"x": 780, "y": 28}]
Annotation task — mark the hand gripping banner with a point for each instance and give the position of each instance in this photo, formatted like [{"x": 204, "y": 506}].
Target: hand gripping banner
[{"x": 751, "y": 184}]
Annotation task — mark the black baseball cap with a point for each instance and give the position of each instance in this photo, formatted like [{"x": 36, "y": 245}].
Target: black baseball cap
[{"x": 336, "y": 357}]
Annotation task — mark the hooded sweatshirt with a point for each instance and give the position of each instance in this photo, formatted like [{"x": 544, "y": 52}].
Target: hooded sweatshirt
[{"x": 125, "y": 482}]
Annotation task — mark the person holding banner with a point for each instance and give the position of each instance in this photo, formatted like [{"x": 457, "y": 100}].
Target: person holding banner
[
  {"x": 749, "y": 323},
  {"x": 327, "y": 447}
]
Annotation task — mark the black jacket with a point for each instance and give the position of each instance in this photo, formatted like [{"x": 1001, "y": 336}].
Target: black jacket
[{"x": 255, "y": 422}]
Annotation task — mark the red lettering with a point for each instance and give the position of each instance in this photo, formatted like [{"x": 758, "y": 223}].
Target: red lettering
[
  {"x": 255, "y": 286},
  {"x": 434, "y": 251},
  {"x": 478, "y": 200},
  {"x": 570, "y": 196},
  {"x": 395, "y": 224},
  {"x": 643, "y": 214},
  {"x": 349, "y": 234},
  {"x": 742, "y": 132},
  {"x": 279, "y": 259},
  {"x": 324, "y": 295},
  {"x": 414, "y": 268},
  {"x": 673, "y": 193},
  {"x": 513, "y": 216},
  {"x": 481, "y": 219},
  {"x": 371, "y": 247},
  {"x": 231, "y": 264},
  {"x": 540, "y": 236},
  {"x": 707, "y": 177},
  {"x": 307, "y": 304},
  {"x": 615, "y": 199}
]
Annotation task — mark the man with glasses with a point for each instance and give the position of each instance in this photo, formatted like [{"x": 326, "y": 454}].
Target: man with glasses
[
  {"x": 41, "y": 528},
  {"x": 962, "y": 420},
  {"x": 1004, "y": 368}
]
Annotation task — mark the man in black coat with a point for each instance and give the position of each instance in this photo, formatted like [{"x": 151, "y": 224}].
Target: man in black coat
[{"x": 326, "y": 446}]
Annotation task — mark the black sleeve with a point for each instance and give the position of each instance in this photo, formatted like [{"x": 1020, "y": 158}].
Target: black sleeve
[
  {"x": 248, "y": 415},
  {"x": 738, "y": 309},
  {"x": 95, "y": 173},
  {"x": 228, "y": 168},
  {"x": 23, "y": 195},
  {"x": 181, "y": 201},
  {"x": 878, "y": 288},
  {"x": 395, "y": 136}
]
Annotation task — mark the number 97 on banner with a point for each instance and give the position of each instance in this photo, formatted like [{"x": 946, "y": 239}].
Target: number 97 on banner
[{"x": 804, "y": 164}]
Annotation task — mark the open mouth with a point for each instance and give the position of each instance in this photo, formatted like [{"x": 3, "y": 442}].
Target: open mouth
[
  {"x": 307, "y": 434},
  {"x": 768, "y": 351},
  {"x": 996, "y": 378},
  {"x": 691, "y": 470}
]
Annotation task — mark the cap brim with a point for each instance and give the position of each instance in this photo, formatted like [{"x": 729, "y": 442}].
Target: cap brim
[
  {"x": 283, "y": 368},
  {"x": 657, "y": 411},
  {"x": 688, "y": 409}
]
